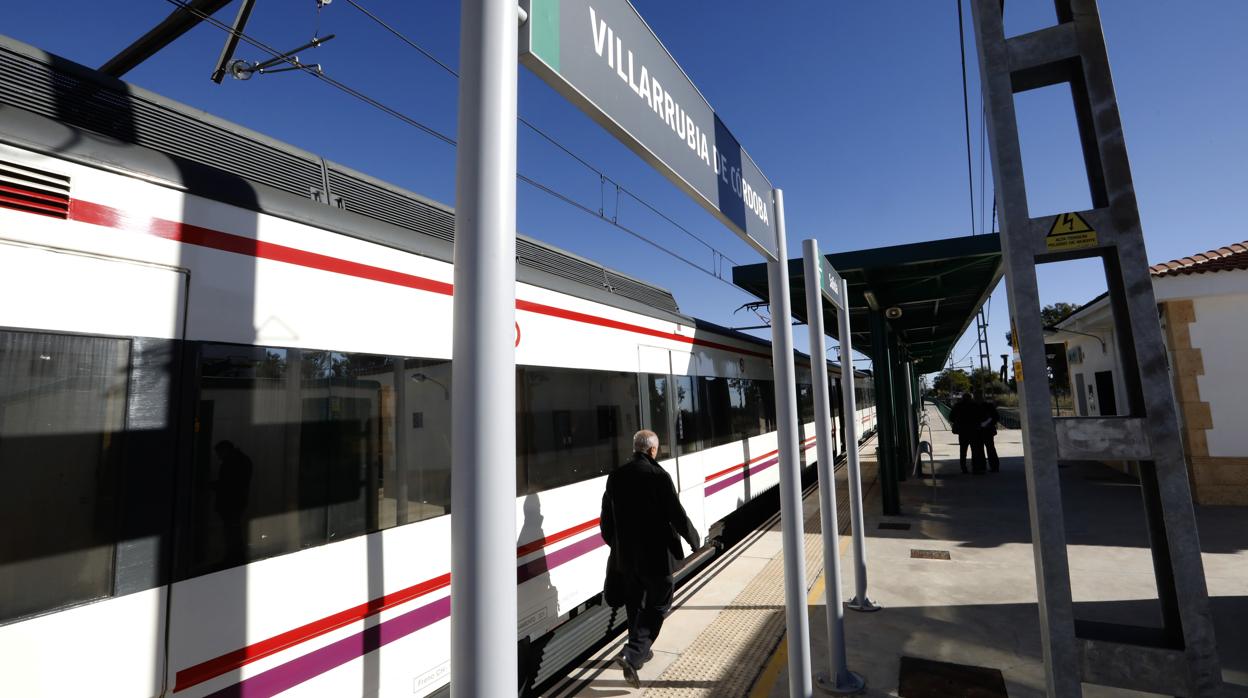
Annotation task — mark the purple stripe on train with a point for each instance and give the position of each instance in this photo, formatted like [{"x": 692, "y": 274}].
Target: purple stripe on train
[
  {"x": 712, "y": 489},
  {"x": 540, "y": 565},
  {"x": 317, "y": 662},
  {"x": 331, "y": 656}
]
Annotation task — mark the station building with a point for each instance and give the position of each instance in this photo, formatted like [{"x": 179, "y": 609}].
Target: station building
[{"x": 1203, "y": 304}]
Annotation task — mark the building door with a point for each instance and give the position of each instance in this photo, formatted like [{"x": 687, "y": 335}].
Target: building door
[
  {"x": 1105, "y": 393},
  {"x": 1081, "y": 395}
]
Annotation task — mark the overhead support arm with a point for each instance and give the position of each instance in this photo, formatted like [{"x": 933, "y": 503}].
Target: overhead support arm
[
  {"x": 231, "y": 41},
  {"x": 179, "y": 22}
]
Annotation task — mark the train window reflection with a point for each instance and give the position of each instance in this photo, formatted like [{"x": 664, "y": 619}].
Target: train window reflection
[
  {"x": 295, "y": 448},
  {"x": 62, "y": 412},
  {"x": 576, "y": 424},
  {"x": 656, "y": 398}
]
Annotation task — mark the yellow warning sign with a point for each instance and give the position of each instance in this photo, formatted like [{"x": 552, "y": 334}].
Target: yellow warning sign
[{"x": 1069, "y": 232}]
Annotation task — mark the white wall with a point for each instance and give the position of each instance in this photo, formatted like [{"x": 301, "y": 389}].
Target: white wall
[{"x": 1220, "y": 332}]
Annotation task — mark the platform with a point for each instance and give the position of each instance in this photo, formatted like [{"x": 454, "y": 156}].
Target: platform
[{"x": 978, "y": 608}]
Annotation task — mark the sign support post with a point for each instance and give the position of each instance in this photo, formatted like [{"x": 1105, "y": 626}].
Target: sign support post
[
  {"x": 849, "y": 399},
  {"x": 791, "y": 519},
  {"x": 483, "y": 442},
  {"x": 839, "y": 679},
  {"x": 607, "y": 61}
]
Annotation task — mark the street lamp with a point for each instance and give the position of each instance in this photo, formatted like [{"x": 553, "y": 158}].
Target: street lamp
[
  {"x": 1053, "y": 329},
  {"x": 421, "y": 378}
]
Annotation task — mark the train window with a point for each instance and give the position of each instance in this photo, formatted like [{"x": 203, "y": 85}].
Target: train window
[
  {"x": 257, "y": 490},
  {"x": 688, "y": 438},
  {"x": 425, "y": 443},
  {"x": 62, "y": 415},
  {"x": 576, "y": 424},
  {"x": 805, "y": 403},
  {"x": 716, "y": 397},
  {"x": 296, "y": 448},
  {"x": 656, "y": 398},
  {"x": 748, "y": 413},
  {"x": 767, "y": 397}
]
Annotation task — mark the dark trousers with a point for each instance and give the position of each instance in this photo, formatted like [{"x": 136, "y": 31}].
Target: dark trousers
[
  {"x": 994, "y": 463},
  {"x": 647, "y": 600},
  {"x": 977, "y": 451}
]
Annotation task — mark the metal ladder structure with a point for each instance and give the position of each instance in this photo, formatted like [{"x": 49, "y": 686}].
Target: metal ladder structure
[{"x": 1181, "y": 657}]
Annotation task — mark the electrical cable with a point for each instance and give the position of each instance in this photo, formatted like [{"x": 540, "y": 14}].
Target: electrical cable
[
  {"x": 533, "y": 127},
  {"x": 451, "y": 141}
]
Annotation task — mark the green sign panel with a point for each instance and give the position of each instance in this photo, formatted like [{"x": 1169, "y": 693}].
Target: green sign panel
[{"x": 830, "y": 283}]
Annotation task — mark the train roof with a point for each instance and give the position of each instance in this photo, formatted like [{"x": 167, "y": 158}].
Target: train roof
[
  {"x": 62, "y": 108},
  {"x": 214, "y": 157}
]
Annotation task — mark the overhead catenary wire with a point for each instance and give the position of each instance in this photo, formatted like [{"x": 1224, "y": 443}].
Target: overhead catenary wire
[
  {"x": 438, "y": 135},
  {"x": 603, "y": 176}
]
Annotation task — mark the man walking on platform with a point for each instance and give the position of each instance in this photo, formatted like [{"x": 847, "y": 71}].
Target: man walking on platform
[
  {"x": 964, "y": 419},
  {"x": 989, "y": 417},
  {"x": 641, "y": 519}
]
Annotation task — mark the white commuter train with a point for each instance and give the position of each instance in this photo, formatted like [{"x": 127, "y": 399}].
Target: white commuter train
[{"x": 224, "y": 423}]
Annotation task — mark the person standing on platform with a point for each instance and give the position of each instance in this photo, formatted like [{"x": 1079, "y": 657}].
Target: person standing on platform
[
  {"x": 641, "y": 519},
  {"x": 964, "y": 418},
  {"x": 990, "y": 417}
]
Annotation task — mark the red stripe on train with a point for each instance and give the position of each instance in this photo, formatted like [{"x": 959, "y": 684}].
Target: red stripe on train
[
  {"x": 186, "y": 233},
  {"x": 738, "y": 466}
]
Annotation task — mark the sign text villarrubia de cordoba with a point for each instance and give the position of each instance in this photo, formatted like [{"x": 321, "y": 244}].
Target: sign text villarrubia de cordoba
[{"x": 619, "y": 59}]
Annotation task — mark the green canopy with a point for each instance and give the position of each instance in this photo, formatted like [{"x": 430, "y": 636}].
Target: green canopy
[{"x": 938, "y": 287}]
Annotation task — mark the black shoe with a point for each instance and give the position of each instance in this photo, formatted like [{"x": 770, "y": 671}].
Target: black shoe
[
  {"x": 648, "y": 657},
  {"x": 630, "y": 672}
]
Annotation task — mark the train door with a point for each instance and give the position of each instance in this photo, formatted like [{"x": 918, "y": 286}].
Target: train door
[
  {"x": 89, "y": 359},
  {"x": 655, "y": 388},
  {"x": 664, "y": 400}
]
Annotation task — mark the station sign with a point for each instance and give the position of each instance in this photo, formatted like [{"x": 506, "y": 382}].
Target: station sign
[
  {"x": 603, "y": 57},
  {"x": 830, "y": 283}
]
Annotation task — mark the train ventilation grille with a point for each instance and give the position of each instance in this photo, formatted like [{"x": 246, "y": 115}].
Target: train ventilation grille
[{"x": 33, "y": 191}]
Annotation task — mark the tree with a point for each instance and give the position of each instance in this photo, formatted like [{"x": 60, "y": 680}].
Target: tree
[
  {"x": 987, "y": 381},
  {"x": 1049, "y": 315},
  {"x": 952, "y": 381}
]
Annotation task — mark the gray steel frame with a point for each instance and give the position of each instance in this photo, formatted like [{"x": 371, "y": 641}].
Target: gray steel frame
[{"x": 1182, "y": 658}]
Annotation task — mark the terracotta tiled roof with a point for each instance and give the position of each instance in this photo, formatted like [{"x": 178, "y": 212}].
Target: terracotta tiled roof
[{"x": 1234, "y": 256}]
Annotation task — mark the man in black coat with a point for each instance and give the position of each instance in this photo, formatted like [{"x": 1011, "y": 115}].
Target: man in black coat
[
  {"x": 990, "y": 417},
  {"x": 964, "y": 418},
  {"x": 641, "y": 520}
]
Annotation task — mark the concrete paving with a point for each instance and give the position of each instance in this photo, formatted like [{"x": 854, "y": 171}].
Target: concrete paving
[
  {"x": 725, "y": 636},
  {"x": 979, "y": 607}
]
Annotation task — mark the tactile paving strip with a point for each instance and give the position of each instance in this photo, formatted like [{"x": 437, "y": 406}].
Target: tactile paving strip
[{"x": 727, "y": 657}]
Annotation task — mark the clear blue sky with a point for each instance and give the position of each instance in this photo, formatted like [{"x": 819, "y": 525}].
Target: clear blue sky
[{"x": 854, "y": 109}]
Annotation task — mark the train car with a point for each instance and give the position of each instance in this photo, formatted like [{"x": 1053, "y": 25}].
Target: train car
[{"x": 224, "y": 408}]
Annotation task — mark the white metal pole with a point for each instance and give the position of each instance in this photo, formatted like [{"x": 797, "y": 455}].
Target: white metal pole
[
  {"x": 860, "y": 602},
  {"x": 483, "y": 480},
  {"x": 839, "y": 679},
  {"x": 791, "y": 517}
]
